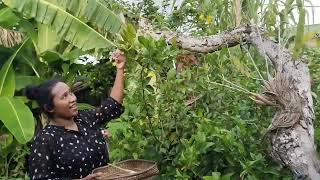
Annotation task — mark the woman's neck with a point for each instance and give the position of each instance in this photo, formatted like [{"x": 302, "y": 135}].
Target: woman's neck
[{"x": 67, "y": 123}]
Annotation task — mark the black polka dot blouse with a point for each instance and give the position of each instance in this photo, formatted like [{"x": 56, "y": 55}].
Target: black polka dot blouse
[{"x": 59, "y": 153}]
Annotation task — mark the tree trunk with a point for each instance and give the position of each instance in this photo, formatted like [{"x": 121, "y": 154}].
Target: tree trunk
[{"x": 291, "y": 131}]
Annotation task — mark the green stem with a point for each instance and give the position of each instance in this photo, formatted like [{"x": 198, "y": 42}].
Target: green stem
[
  {"x": 254, "y": 64},
  {"x": 233, "y": 84},
  {"x": 230, "y": 87},
  {"x": 6, "y": 167}
]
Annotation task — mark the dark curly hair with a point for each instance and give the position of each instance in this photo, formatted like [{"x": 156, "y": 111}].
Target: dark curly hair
[{"x": 43, "y": 95}]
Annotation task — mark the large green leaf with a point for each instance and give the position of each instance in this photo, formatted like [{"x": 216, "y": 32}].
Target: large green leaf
[
  {"x": 47, "y": 38},
  {"x": 9, "y": 83},
  {"x": 7, "y": 80},
  {"x": 17, "y": 118},
  {"x": 8, "y": 18},
  {"x": 23, "y": 81},
  {"x": 93, "y": 11},
  {"x": 25, "y": 58},
  {"x": 67, "y": 26},
  {"x": 30, "y": 31},
  {"x": 51, "y": 56},
  {"x": 299, "y": 44},
  {"x": 31, "y": 62}
]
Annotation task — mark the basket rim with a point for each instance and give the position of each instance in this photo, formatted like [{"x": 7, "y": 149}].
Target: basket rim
[{"x": 136, "y": 174}]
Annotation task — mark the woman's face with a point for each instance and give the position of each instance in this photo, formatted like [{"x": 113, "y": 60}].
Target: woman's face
[{"x": 65, "y": 102}]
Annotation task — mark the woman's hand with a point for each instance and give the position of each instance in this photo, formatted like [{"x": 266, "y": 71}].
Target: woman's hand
[
  {"x": 106, "y": 134},
  {"x": 119, "y": 58},
  {"x": 94, "y": 176}
]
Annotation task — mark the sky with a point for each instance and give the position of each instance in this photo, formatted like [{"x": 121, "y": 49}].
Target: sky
[
  {"x": 313, "y": 16},
  {"x": 316, "y": 9}
]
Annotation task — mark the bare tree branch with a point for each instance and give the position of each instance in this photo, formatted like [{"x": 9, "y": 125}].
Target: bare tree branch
[
  {"x": 206, "y": 44},
  {"x": 291, "y": 130}
]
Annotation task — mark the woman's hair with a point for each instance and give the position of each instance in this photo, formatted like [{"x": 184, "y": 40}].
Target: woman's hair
[{"x": 43, "y": 95}]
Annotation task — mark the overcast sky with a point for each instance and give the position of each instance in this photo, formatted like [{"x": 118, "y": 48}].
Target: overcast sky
[
  {"x": 316, "y": 11},
  {"x": 313, "y": 18}
]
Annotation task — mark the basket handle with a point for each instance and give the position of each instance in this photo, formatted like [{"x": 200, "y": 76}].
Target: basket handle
[{"x": 126, "y": 170}]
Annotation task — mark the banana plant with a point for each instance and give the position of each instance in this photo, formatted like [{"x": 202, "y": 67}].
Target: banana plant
[
  {"x": 61, "y": 29},
  {"x": 15, "y": 115},
  {"x": 72, "y": 27}
]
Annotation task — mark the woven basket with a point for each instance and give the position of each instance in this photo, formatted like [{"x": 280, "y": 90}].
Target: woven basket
[{"x": 129, "y": 170}]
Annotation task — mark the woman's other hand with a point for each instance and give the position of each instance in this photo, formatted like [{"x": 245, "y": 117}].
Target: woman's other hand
[
  {"x": 106, "y": 134},
  {"x": 94, "y": 176},
  {"x": 119, "y": 58}
]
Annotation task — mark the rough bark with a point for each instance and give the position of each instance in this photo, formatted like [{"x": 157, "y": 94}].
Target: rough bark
[
  {"x": 205, "y": 44},
  {"x": 291, "y": 131}
]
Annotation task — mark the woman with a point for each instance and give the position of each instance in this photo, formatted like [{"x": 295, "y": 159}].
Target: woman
[{"x": 72, "y": 145}]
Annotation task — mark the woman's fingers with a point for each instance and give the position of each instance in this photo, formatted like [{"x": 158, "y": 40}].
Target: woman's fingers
[
  {"x": 119, "y": 58},
  {"x": 98, "y": 175},
  {"x": 117, "y": 54},
  {"x": 106, "y": 134},
  {"x": 94, "y": 176}
]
